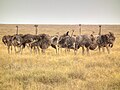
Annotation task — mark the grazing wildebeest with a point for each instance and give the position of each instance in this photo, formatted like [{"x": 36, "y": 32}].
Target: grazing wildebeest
[
  {"x": 7, "y": 40},
  {"x": 106, "y": 40},
  {"x": 87, "y": 41}
]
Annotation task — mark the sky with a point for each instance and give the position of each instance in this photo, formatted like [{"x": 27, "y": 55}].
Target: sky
[{"x": 60, "y": 11}]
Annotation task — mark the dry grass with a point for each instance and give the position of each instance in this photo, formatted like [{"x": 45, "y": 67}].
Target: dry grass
[{"x": 66, "y": 71}]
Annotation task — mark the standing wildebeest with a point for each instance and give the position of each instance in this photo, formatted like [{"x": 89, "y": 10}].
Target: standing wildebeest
[
  {"x": 7, "y": 40},
  {"x": 106, "y": 40},
  {"x": 87, "y": 41}
]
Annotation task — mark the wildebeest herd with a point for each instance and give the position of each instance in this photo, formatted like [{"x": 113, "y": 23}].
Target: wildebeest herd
[{"x": 68, "y": 41}]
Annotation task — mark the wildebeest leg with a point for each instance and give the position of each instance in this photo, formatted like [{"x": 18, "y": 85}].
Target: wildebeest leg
[
  {"x": 108, "y": 50},
  {"x": 83, "y": 50}
]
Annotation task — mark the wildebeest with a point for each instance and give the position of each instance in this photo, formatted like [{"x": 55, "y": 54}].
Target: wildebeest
[{"x": 7, "y": 40}]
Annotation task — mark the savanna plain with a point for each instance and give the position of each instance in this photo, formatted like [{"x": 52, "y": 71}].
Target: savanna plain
[{"x": 63, "y": 71}]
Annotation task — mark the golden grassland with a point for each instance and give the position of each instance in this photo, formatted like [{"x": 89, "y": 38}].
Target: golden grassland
[{"x": 64, "y": 71}]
